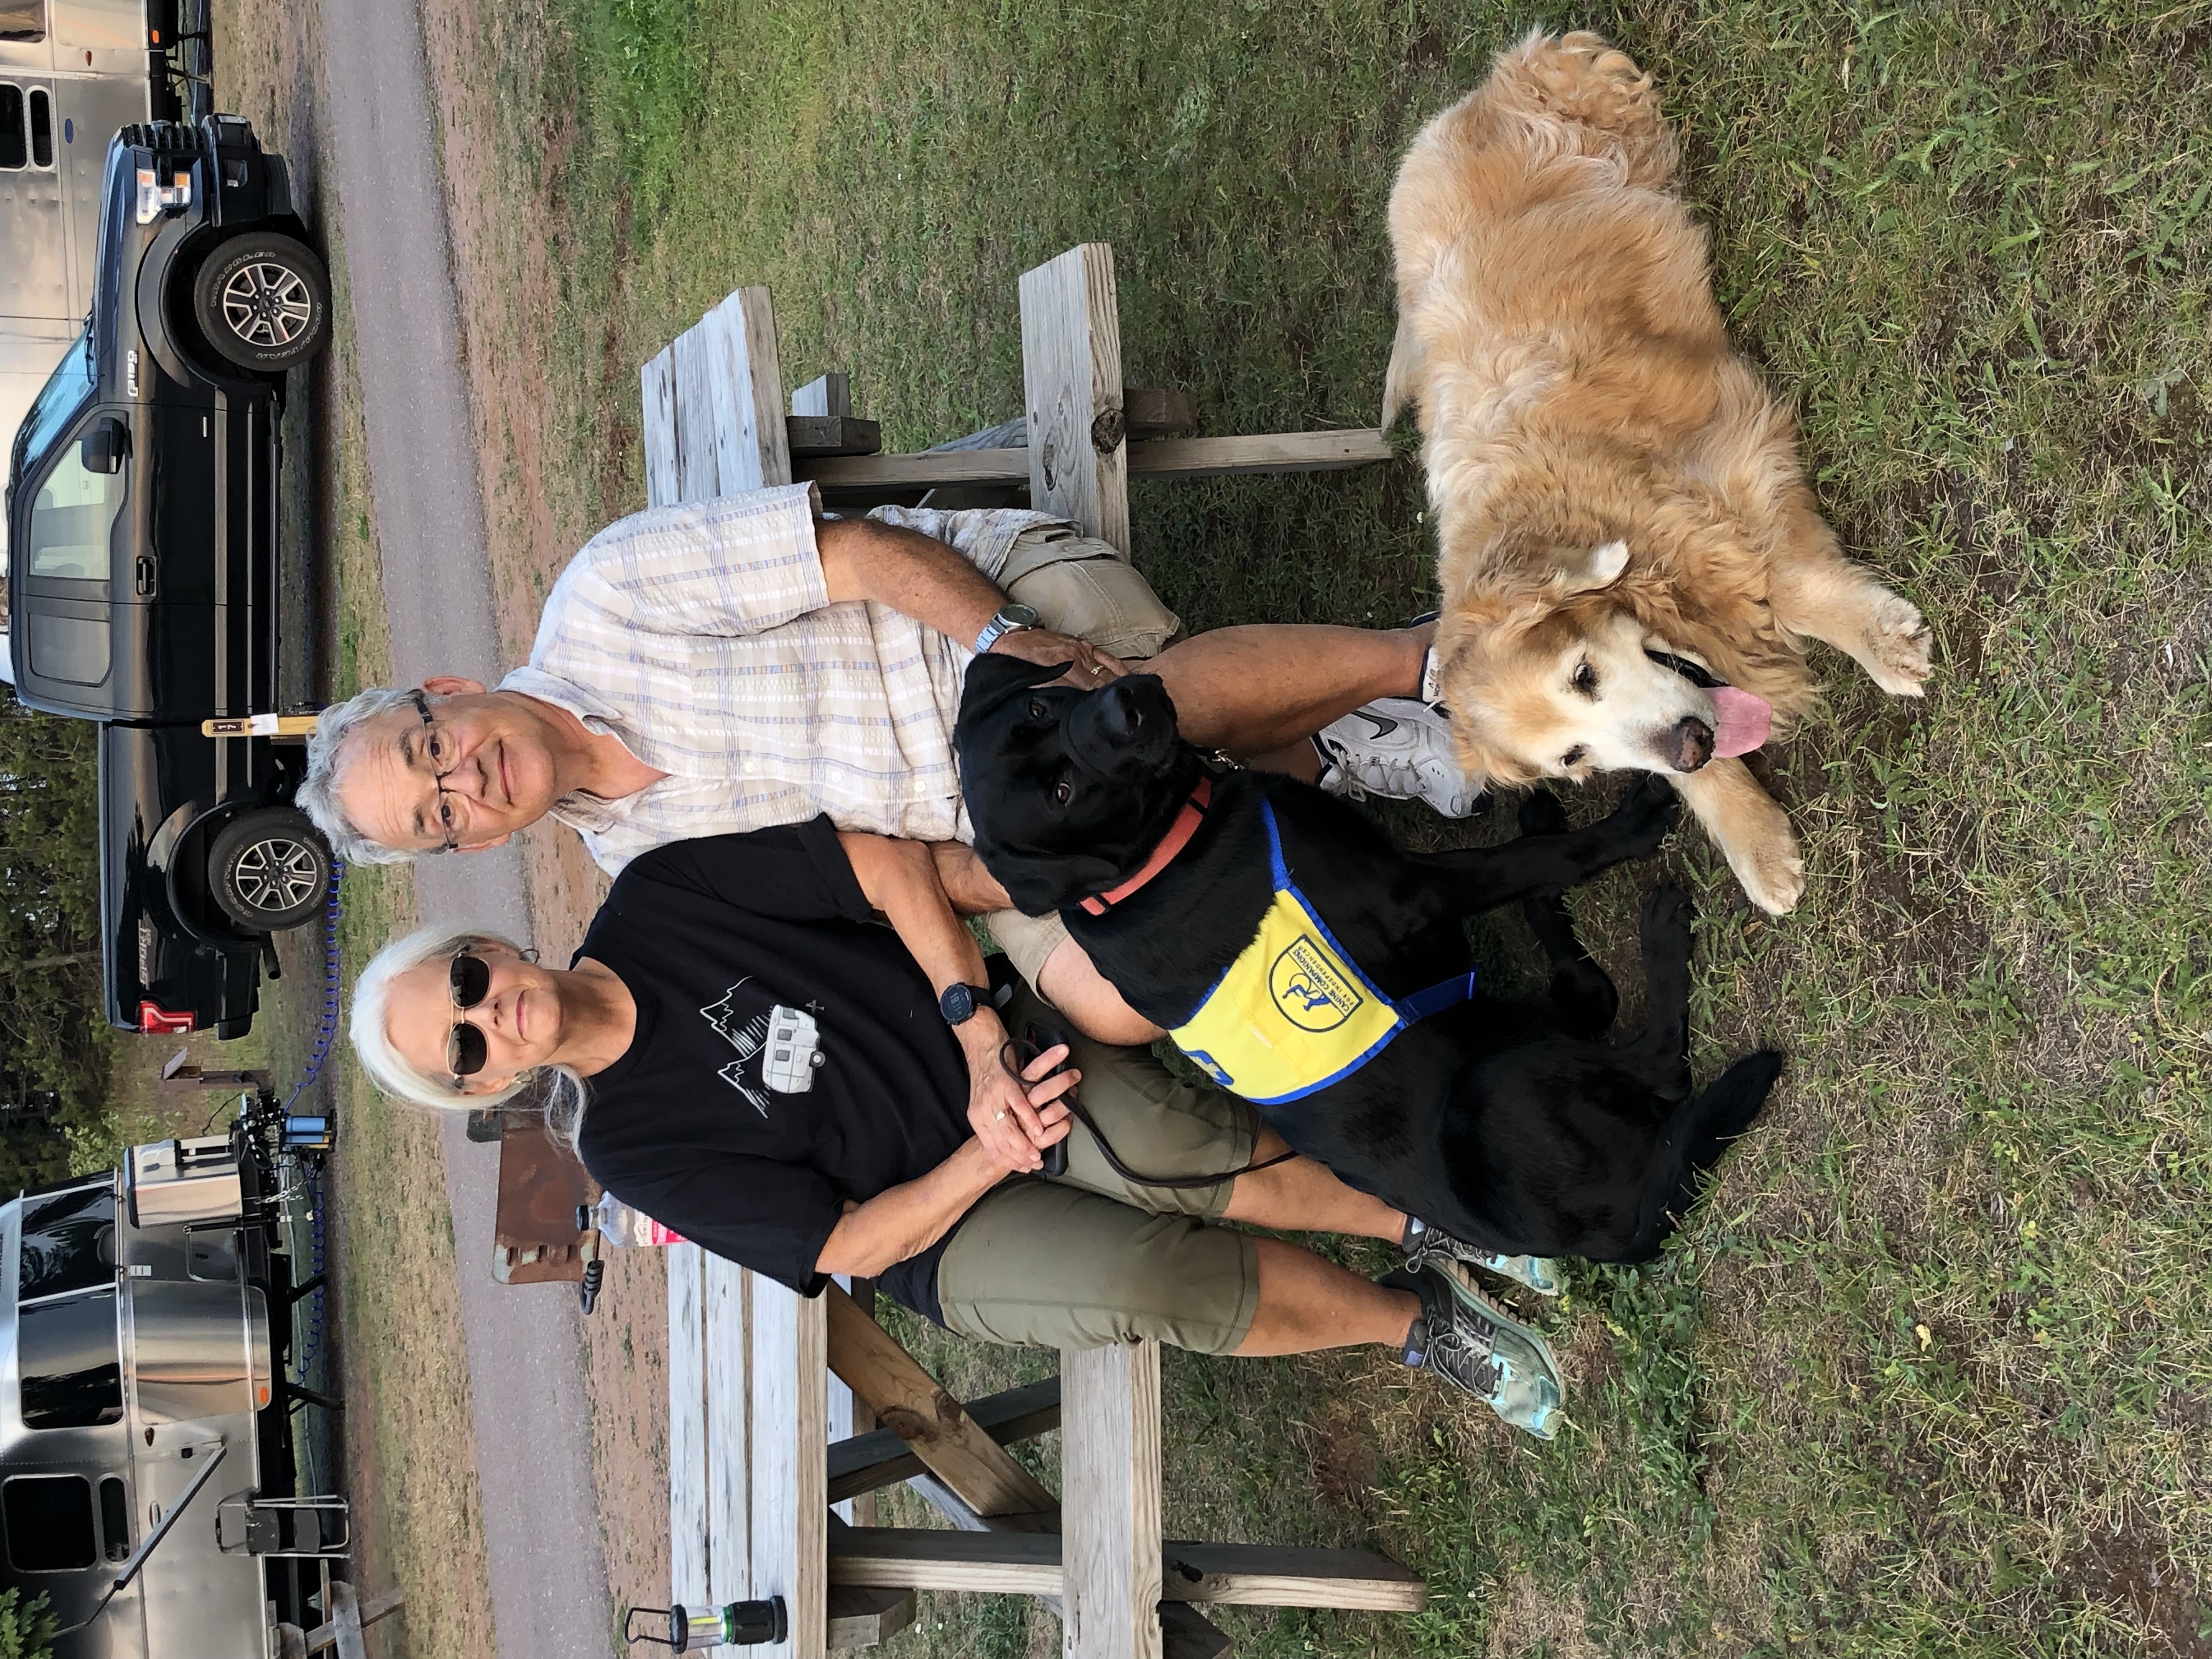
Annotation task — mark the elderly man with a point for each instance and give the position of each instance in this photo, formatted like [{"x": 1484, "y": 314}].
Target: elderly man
[{"x": 743, "y": 662}]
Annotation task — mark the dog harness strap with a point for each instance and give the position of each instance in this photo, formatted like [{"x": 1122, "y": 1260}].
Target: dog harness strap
[
  {"x": 1293, "y": 1013},
  {"x": 1177, "y": 837}
]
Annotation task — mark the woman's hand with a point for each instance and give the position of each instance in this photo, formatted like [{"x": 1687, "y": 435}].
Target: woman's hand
[{"x": 1014, "y": 1118}]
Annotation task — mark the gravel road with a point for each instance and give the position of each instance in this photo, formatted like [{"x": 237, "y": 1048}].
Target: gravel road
[{"x": 549, "y": 1586}]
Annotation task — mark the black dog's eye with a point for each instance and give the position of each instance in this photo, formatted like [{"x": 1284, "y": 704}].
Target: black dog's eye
[
  {"x": 1573, "y": 757},
  {"x": 1063, "y": 791},
  {"x": 1036, "y": 709},
  {"x": 1586, "y": 680}
]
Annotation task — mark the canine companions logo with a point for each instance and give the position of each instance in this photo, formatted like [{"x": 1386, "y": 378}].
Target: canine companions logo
[{"x": 1309, "y": 989}]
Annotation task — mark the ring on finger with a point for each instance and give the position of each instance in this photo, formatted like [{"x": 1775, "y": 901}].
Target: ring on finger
[{"x": 1001, "y": 1117}]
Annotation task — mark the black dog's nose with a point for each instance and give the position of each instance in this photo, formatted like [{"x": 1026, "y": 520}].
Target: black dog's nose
[
  {"x": 1120, "y": 713},
  {"x": 1690, "y": 745}
]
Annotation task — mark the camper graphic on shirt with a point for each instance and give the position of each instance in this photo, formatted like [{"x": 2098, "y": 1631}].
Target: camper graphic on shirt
[{"x": 778, "y": 1048}]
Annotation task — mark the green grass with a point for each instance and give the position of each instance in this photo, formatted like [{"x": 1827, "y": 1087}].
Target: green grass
[{"x": 1928, "y": 1374}]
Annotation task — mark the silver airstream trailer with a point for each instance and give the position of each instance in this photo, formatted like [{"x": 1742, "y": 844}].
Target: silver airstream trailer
[
  {"x": 73, "y": 73},
  {"x": 146, "y": 1467}
]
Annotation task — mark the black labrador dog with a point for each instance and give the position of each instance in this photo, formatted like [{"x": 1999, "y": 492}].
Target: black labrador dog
[{"x": 1311, "y": 965}]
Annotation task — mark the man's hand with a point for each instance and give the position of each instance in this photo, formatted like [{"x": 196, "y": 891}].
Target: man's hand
[
  {"x": 1087, "y": 665},
  {"x": 1014, "y": 1118}
]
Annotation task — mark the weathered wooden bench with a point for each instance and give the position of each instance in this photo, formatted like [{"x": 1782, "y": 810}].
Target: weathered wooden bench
[{"x": 772, "y": 1398}]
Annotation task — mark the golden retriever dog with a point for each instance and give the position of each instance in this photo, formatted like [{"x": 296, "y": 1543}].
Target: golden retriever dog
[{"x": 1631, "y": 563}]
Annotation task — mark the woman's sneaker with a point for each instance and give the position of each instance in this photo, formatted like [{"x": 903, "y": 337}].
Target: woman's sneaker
[
  {"x": 1425, "y": 1245},
  {"x": 1475, "y": 1345},
  {"x": 1400, "y": 749}
]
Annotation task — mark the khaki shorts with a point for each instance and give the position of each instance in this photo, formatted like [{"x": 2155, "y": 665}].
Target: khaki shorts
[
  {"x": 1091, "y": 1257},
  {"x": 1081, "y": 585}
]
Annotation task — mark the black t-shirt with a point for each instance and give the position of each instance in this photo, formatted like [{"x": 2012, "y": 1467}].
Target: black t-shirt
[{"x": 789, "y": 1055}]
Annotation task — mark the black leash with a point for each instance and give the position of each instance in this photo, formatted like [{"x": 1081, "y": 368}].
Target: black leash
[{"x": 1037, "y": 1038}]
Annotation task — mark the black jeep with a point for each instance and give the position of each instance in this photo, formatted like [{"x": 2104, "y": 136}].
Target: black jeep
[{"x": 142, "y": 577}]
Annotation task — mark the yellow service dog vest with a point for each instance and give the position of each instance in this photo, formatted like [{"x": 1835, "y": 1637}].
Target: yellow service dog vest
[{"x": 1294, "y": 1013}]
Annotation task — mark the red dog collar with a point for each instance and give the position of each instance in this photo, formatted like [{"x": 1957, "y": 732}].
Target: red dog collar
[{"x": 1177, "y": 837}]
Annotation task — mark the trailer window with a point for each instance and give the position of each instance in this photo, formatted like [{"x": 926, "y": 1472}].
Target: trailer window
[
  {"x": 14, "y": 151},
  {"x": 49, "y": 1520},
  {"x": 72, "y": 1368},
  {"x": 22, "y": 20},
  {"x": 69, "y": 1243},
  {"x": 115, "y": 1519},
  {"x": 42, "y": 128}
]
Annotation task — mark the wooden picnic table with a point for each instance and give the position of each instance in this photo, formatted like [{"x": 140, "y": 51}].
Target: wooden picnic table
[{"x": 773, "y": 1399}]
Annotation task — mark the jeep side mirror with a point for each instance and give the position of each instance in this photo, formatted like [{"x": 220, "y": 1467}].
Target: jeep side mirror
[{"x": 105, "y": 445}]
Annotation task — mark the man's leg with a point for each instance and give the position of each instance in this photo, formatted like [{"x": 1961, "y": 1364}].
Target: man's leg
[{"x": 1255, "y": 691}]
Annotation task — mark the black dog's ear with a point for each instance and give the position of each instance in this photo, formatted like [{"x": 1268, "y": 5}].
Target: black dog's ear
[
  {"x": 992, "y": 678},
  {"x": 1042, "y": 883}
]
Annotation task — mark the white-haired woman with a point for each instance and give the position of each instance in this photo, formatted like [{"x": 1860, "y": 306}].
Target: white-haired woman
[{"x": 749, "y": 1058}]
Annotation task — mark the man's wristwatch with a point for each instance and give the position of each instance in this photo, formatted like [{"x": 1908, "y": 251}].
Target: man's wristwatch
[
  {"x": 1010, "y": 617},
  {"x": 959, "y": 1002}
]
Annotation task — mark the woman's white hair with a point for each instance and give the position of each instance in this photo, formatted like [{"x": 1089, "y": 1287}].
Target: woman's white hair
[{"x": 562, "y": 1091}]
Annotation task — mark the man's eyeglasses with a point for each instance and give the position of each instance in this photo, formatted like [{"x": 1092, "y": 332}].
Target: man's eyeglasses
[{"x": 433, "y": 743}]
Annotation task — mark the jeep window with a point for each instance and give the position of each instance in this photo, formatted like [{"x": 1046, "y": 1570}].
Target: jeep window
[
  {"x": 72, "y": 520},
  {"x": 42, "y": 128},
  {"x": 69, "y": 1243},
  {"x": 14, "y": 152},
  {"x": 22, "y": 20},
  {"x": 71, "y": 1364},
  {"x": 49, "y": 1520}
]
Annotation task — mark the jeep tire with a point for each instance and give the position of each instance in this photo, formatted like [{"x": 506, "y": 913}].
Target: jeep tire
[
  {"x": 264, "y": 301},
  {"x": 269, "y": 870}
]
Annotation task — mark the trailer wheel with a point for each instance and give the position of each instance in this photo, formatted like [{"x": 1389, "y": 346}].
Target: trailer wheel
[
  {"x": 269, "y": 870},
  {"x": 264, "y": 301}
]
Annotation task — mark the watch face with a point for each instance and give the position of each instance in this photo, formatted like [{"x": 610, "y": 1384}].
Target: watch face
[
  {"x": 1018, "y": 615},
  {"x": 957, "y": 1005}
]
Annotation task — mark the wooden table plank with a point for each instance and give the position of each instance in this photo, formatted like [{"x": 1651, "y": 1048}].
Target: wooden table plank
[
  {"x": 1162, "y": 457},
  {"x": 323, "y": 1638},
  {"x": 688, "y": 1504},
  {"x": 345, "y": 1622},
  {"x": 657, "y": 429},
  {"x": 1076, "y": 458},
  {"x": 1037, "y": 1563},
  {"x": 1110, "y": 1500},
  {"x": 907, "y": 1400},
  {"x": 728, "y": 1444},
  {"x": 868, "y": 1462},
  {"x": 790, "y": 1479},
  {"x": 744, "y": 392},
  {"x": 1272, "y": 1576}
]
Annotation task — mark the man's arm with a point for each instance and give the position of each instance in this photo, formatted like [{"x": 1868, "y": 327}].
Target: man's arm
[{"x": 926, "y": 579}]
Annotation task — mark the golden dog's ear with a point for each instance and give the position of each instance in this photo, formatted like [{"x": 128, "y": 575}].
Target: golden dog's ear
[{"x": 1600, "y": 567}]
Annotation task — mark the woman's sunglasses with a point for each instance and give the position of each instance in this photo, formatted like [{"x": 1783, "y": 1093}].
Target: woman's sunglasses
[{"x": 469, "y": 983}]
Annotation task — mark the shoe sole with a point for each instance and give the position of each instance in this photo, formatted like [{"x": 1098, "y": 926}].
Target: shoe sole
[{"x": 1463, "y": 1284}]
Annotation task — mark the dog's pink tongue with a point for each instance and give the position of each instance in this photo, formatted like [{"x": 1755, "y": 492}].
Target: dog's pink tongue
[{"x": 1744, "y": 721}]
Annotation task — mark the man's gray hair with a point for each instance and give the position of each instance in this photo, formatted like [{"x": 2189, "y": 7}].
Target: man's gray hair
[{"x": 318, "y": 795}]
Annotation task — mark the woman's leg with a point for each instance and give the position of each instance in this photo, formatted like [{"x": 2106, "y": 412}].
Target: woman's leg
[
  {"x": 1307, "y": 1303},
  {"x": 1305, "y": 1197}
]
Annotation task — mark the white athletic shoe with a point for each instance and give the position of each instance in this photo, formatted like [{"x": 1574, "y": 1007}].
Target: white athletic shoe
[{"x": 1399, "y": 749}]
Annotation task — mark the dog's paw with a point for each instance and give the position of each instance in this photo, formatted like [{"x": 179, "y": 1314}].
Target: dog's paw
[
  {"x": 1645, "y": 814},
  {"x": 1772, "y": 873},
  {"x": 1897, "y": 644},
  {"x": 1542, "y": 815},
  {"x": 1667, "y": 914}
]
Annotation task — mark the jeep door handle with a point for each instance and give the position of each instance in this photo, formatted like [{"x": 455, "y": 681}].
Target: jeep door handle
[{"x": 144, "y": 579}]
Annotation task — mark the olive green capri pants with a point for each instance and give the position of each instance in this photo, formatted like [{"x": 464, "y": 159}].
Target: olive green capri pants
[{"x": 1088, "y": 1258}]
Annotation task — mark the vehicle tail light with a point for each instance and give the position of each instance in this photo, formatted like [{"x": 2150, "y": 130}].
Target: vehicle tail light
[
  {"x": 156, "y": 197},
  {"x": 154, "y": 1019}
]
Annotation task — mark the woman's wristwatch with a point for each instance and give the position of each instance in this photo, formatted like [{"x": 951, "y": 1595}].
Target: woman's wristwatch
[
  {"x": 1010, "y": 617},
  {"x": 960, "y": 1003}
]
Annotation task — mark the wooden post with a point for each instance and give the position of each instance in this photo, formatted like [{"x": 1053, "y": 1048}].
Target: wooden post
[
  {"x": 790, "y": 1472},
  {"x": 1072, "y": 373},
  {"x": 1110, "y": 1499}
]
